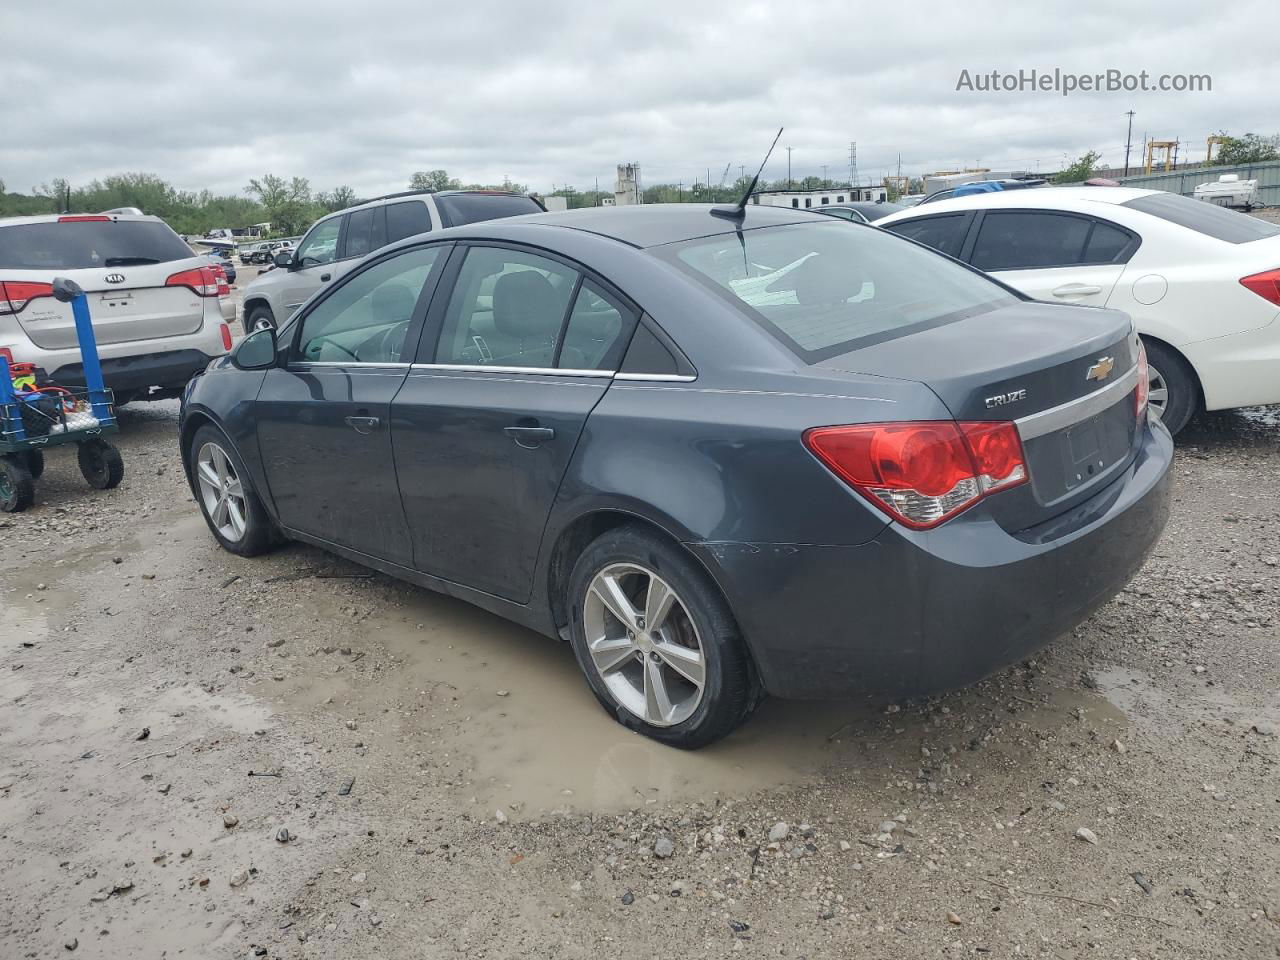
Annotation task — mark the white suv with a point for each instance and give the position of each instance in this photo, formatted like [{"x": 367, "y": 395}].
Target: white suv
[
  {"x": 336, "y": 243},
  {"x": 154, "y": 303}
]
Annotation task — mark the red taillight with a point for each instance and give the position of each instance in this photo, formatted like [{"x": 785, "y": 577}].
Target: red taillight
[
  {"x": 16, "y": 294},
  {"x": 1266, "y": 285},
  {"x": 84, "y": 219},
  {"x": 226, "y": 337},
  {"x": 923, "y": 474},
  {"x": 1144, "y": 381},
  {"x": 200, "y": 279},
  {"x": 224, "y": 285}
]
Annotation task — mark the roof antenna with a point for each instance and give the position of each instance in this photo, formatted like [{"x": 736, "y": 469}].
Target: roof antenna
[{"x": 739, "y": 211}]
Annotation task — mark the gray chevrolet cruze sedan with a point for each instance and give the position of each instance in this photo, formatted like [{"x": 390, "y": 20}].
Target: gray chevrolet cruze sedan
[{"x": 722, "y": 453}]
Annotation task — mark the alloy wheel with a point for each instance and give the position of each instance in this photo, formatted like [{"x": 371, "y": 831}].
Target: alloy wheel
[
  {"x": 1157, "y": 392},
  {"x": 644, "y": 645},
  {"x": 221, "y": 491}
]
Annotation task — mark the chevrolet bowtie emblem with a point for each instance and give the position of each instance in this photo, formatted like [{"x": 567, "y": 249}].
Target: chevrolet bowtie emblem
[{"x": 1101, "y": 370}]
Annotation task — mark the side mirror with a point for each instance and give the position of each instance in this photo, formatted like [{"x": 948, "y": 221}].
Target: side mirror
[
  {"x": 283, "y": 258},
  {"x": 257, "y": 351}
]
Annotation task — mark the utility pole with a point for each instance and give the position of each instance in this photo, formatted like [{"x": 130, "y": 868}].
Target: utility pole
[
  {"x": 853, "y": 164},
  {"x": 788, "y": 168},
  {"x": 1128, "y": 138},
  {"x": 824, "y": 175},
  {"x": 597, "y": 191}
]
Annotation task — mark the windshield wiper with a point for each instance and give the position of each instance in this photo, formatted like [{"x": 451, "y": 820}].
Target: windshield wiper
[{"x": 128, "y": 261}]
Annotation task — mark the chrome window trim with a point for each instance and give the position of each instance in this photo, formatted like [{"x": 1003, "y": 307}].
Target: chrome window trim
[
  {"x": 657, "y": 377},
  {"x": 350, "y": 363},
  {"x": 1073, "y": 411},
  {"x": 493, "y": 368}
]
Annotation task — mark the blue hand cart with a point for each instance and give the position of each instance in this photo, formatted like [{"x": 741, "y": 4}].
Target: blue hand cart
[{"x": 32, "y": 420}]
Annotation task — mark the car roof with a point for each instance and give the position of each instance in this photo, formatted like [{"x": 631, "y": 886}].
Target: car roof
[
  {"x": 1063, "y": 198},
  {"x": 655, "y": 224}
]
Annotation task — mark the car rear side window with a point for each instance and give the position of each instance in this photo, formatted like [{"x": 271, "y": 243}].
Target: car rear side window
[
  {"x": 1020, "y": 241},
  {"x": 944, "y": 233},
  {"x": 1025, "y": 240},
  {"x": 823, "y": 289},
  {"x": 507, "y": 309},
  {"x": 82, "y": 244},
  {"x": 594, "y": 336},
  {"x": 407, "y": 219},
  {"x": 460, "y": 208},
  {"x": 1206, "y": 218},
  {"x": 363, "y": 235}
]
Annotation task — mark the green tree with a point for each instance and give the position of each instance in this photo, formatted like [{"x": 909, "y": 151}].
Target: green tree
[
  {"x": 339, "y": 198},
  {"x": 1251, "y": 148},
  {"x": 1081, "y": 170},
  {"x": 288, "y": 203},
  {"x": 433, "y": 180}
]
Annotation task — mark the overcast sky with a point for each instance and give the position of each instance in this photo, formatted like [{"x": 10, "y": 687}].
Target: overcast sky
[{"x": 364, "y": 93}]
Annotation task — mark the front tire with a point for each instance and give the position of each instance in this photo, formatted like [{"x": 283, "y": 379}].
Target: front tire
[
  {"x": 1174, "y": 392},
  {"x": 231, "y": 507},
  {"x": 657, "y": 641},
  {"x": 259, "y": 318},
  {"x": 17, "y": 488}
]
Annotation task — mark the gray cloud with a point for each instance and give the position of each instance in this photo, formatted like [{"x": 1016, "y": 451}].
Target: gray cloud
[{"x": 365, "y": 93}]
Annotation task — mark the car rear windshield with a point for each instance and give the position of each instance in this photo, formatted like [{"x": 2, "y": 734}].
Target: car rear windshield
[
  {"x": 824, "y": 289},
  {"x": 460, "y": 208},
  {"x": 1207, "y": 218},
  {"x": 76, "y": 245}
]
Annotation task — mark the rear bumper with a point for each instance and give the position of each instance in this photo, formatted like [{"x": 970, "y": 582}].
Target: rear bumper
[
  {"x": 1239, "y": 370},
  {"x": 171, "y": 369},
  {"x": 911, "y": 613}
]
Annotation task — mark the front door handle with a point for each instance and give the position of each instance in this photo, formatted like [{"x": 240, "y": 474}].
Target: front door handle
[
  {"x": 529, "y": 437},
  {"x": 1076, "y": 290},
  {"x": 363, "y": 425}
]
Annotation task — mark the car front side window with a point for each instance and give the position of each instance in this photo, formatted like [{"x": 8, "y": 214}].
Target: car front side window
[
  {"x": 321, "y": 244},
  {"x": 367, "y": 319}
]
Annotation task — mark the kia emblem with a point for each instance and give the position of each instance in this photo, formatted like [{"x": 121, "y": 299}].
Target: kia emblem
[{"x": 114, "y": 278}]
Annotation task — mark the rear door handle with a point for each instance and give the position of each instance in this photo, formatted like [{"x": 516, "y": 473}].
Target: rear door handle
[
  {"x": 363, "y": 425},
  {"x": 324, "y": 277},
  {"x": 529, "y": 437},
  {"x": 1076, "y": 290}
]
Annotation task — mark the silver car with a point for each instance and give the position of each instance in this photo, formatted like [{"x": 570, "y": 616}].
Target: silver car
[{"x": 336, "y": 243}]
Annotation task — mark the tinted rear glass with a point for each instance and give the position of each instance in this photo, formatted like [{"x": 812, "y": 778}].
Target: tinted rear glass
[
  {"x": 874, "y": 211},
  {"x": 87, "y": 244},
  {"x": 1207, "y": 218},
  {"x": 823, "y": 289},
  {"x": 460, "y": 208}
]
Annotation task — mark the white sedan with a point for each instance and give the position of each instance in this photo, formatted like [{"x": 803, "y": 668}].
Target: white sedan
[{"x": 1201, "y": 282}]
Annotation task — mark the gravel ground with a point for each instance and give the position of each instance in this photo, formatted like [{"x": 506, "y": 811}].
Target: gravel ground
[{"x": 207, "y": 756}]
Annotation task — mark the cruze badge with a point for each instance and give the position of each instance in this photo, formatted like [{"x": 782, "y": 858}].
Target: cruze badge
[
  {"x": 114, "y": 278},
  {"x": 1101, "y": 370},
  {"x": 1013, "y": 396}
]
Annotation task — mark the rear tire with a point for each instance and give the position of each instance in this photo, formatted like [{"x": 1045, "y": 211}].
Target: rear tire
[
  {"x": 259, "y": 318},
  {"x": 1175, "y": 391},
  {"x": 242, "y": 526},
  {"x": 695, "y": 635},
  {"x": 17, "y": 487},
  {"x": 100, "y": 464}
]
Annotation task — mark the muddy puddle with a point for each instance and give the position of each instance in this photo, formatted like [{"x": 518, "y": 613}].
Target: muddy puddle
[{"x": 510, "y": 710}]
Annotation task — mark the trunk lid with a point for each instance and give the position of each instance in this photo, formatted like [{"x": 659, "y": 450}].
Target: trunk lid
[
  {"x": 122, "y": 265},
  {"x": 1064, "y": 374}
]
